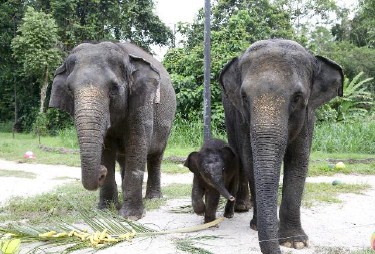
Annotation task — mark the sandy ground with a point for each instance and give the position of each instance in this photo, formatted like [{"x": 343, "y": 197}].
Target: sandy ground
[{"x": 346, "y": 226}]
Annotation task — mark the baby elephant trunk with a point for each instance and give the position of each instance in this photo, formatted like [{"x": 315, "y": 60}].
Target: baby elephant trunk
[{"x": 224, "y": 192}]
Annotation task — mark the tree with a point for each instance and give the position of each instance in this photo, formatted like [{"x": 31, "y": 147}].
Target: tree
[
  {"x": 11, "y": 13},
  {"x": 35, "y": 48},
  {"x": 305, "y": 13},
  {"x": 235, "y": 25},
  {"x": 363, "y": 25},
  {"x": 96, "y": 20}
]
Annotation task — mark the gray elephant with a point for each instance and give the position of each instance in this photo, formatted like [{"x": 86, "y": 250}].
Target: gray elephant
[
  {"x": 123, "y": 105},
  {"x": 216, "y": 169},
  {"x": 270, "y": 94}
]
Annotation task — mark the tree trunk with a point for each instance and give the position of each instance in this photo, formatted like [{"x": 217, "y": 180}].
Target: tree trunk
[{"x": 43, "y": 91}]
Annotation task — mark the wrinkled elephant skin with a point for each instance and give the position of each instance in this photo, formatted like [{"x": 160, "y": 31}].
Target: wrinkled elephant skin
[
  {"x": 270, "y": 94},
  {"x": 123, "y": 105},
  {"x": 216, "y": 169}
]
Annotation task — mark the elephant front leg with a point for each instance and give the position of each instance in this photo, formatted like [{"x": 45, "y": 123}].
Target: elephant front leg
[
  {"x": 212, "y": 198},
  {"x": 153, "y": 189},
  {"x": 197, "y": 194},
  {"x": 291, "y": 233},
  {"x": 135, "y": 162},
  {"x": 108, "y": 192}
]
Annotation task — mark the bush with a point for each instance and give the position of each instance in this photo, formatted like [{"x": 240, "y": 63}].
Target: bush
[
  {"x": 189, "y": 133},
  {"x": 357, "y": 102},
  {"x": 345, "y": 137},
  {"x": 6, "y": 126},
  {"x": 69, "y": 138}
]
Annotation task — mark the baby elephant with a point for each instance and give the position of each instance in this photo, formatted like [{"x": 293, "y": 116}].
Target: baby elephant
[{"x": 216, "y": 169}]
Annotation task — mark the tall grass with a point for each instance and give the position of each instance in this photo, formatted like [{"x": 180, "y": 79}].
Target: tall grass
[
  {"x": 345, "y": 137},
  {"x": 69, "y": 138},
  {"x": 187, "y": 133},
  {"x": 329, "y": 137}
]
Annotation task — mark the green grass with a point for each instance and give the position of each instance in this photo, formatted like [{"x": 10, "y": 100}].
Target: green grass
[
  {"x": 173, "y": 168},
  {"x": 316, "y": 193},
  {"x": 50, "y": 207},
  {"x": 338, "y": 141},
  {"x": 172, "y": 191},
  {"x": 327, "y": 169},
  {"x": 14, "y": 149},
  {"x": 349, "y": 137},
  {"x": 17, "y": 173}
]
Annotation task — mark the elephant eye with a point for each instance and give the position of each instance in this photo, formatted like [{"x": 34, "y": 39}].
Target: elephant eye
[
  {"x": 244, "y": 98},
  {"x": 297, "y": 97},
  {"x": 114, "y": 89}
]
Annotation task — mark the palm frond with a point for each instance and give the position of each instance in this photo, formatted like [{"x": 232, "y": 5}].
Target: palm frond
[
  {"x": 189, "y": 244},
  {"x": 101, "y": 229}
]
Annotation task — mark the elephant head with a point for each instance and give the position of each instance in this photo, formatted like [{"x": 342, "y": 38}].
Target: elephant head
[
  {"x": 275, "y": 86},
  {"x": 98, "y": 84},
  {"x": 212, "y": 165}
]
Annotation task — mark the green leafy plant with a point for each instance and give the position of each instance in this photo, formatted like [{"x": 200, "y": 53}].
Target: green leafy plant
[{"x": 356, "y": 102}]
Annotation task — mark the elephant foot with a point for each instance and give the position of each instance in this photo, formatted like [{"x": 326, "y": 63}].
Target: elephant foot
[
  {"x": 199, "y": 207},
  {"x": 108, "y": 205},
  {"x": 208, "y": 219},
  {"x": 132, "y": 214},
  {"x": 228, "y": 214},
  {"x": 253, "y": 224},
  {"x": 296, "y": 239},
  {"x": 242, "y": 206},
  {"x": 153, "y": 194},
  {"x": 295, "y": 245}
]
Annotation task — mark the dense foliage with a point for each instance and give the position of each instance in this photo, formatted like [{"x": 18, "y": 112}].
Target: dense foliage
[
  {"x": 237, "y": 24},
  {"x": 35, "y": 34}
]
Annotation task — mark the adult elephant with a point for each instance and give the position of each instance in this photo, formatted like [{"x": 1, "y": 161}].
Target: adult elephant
[
  {"x": 270, "y": 95},
  {"x": 123, "y": 105}
]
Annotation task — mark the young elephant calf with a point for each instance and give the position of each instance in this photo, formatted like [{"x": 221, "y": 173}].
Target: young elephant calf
[{"x": 216, "y": 169}]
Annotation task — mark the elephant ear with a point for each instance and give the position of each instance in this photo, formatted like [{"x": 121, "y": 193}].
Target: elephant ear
[
  {"x": 144, "y": 81},
  {"x": 328, "y": 82},
  {"x": 229, "y": 155},
  {"x": 61, "y": 98},
  {"x": 192, "y": 162},
  {"x": 230, "y": 80}
]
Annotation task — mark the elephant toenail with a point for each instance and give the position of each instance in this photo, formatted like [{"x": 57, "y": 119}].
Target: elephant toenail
[
  {"x": 287, "y": 244},
  {"x": 299, "y": 245}
]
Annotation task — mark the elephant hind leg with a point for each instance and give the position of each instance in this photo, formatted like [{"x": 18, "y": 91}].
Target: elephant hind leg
[
  {"x": 153, "y": 189},
  {"x": 243, "y": 203}
]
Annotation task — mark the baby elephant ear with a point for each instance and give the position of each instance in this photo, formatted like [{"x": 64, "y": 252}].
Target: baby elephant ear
[
  {"x": 328, "y": 82},
  {"x": 228, "y": 154},
  {"x": 192, "y": 162}
]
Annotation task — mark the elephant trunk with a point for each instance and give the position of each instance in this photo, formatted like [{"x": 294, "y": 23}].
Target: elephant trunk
[
  {"x": 91, "y": 120},
  {"x": 224, "y": 192},
  {"x": 268, "y": 148}
]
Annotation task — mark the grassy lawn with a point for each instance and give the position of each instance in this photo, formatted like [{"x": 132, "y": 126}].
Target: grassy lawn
[
  {"x": 13, "y": 149},
  {"x": 53, "y": 206}
]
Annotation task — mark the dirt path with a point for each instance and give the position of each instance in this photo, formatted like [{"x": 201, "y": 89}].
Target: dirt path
[{"x": 347, "y": 226}]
